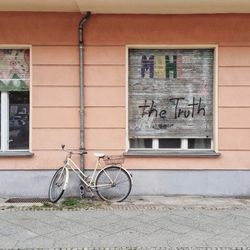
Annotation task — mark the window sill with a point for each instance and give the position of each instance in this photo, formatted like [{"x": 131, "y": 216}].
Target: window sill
[
  {"x": 16, "y": 154},
  {"x": 172, "y": 153}
]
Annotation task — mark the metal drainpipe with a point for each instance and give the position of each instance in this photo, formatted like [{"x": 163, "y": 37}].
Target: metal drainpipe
[{"x": 81, "y": 48}]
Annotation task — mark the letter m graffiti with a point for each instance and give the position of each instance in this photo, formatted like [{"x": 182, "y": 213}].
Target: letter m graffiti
[{"x": 147, "y": 65}]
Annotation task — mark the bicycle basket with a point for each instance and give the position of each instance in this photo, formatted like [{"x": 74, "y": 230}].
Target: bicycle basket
[{"x": 113, "y": 159}]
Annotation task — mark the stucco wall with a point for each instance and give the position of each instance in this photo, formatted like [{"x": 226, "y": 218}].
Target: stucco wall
[
  {"x": 107, "y": 36},
  {"x": 55, "y": 82}
]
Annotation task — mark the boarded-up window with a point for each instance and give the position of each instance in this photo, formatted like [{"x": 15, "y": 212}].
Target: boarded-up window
[
  {"x": 170, "y": 93},
  {"x": 14, "y": 69}
]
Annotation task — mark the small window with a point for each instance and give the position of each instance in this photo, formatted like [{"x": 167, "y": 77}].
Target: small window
[
  {"x": 199, "y": 143},
  {"x": 141, "y": 143},
  {"x": 169, "y": 143}
]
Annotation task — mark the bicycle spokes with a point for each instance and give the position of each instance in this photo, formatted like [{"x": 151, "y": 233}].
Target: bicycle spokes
[
  {"x": 56, "y": 188},
  {"x": 113, "y": 184}
]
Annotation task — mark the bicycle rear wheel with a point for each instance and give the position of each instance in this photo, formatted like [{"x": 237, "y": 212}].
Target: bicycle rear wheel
[
  {"x": 113, "y": 184},
  {"x": 58, "y": 184}
]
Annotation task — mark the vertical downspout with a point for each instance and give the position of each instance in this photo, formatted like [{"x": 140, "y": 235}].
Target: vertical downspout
[{"x": 81, "y": 50}]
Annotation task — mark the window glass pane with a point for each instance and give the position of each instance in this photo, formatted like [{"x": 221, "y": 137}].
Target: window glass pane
[
  {"x": 169, "y": 143},
  {"x": 199, "y": 143},
  {"x": 19, "y": 120},
  {"x": 140, "y": 143}
]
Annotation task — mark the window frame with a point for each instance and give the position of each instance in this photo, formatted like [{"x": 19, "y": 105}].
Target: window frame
[
  {"x": 17, "y": 152},
  {"x": 153, "y": 150}
]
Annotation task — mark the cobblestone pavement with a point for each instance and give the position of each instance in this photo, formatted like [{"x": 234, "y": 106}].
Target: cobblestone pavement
[{"x": 215, "y": 224}]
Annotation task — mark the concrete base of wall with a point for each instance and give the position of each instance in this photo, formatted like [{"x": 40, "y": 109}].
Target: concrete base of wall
[{"x": 145, "y": 182}]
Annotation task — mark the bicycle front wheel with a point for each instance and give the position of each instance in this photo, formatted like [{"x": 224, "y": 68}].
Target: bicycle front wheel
[
  {"x": 58, "y": 184},
  {"x": 113, "y": 184}
]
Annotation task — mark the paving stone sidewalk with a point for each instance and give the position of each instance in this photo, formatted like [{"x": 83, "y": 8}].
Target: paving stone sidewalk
[{"x": 140, "y": 223}]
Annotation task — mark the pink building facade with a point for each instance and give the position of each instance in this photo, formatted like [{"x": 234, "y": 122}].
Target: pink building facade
[{"x": 181, "y": 117}]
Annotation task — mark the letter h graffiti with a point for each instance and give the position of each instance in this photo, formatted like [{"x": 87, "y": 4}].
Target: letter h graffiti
[
  {"x": 171, "y": 66},
  {"x": 147, "y": 65}
]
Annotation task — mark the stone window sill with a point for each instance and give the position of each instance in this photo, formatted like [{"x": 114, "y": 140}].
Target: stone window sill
[
  {"x": 173, "y": 153},
  {"x": 16, "y": 154}
]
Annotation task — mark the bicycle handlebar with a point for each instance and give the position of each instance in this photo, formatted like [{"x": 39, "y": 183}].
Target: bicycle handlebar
[{"x": 73, "y": 152}]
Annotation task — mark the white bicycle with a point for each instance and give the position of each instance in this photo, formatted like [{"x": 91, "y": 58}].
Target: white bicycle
[{"x": 111, "y": 182}]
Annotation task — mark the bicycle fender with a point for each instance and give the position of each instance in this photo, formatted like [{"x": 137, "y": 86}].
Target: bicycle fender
[
  {"x": 131, "y": 176},
  {"x": 120, "y": 166}
]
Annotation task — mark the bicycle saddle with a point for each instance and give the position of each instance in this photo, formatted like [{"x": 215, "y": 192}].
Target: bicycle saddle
[{"x": 99, "y": 155}]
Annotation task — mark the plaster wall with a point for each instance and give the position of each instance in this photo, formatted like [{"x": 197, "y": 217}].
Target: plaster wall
[{"x": 55, "y": 83}]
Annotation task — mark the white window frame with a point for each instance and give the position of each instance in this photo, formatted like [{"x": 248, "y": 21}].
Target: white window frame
[
  {"x": 5, "y": 106},
  {"x": 184, "y": 142}
]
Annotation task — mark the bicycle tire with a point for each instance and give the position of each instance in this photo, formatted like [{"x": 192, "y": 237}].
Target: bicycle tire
[
  {"x": 113, "y": 184},
  {"x": 59, "y": 179}
]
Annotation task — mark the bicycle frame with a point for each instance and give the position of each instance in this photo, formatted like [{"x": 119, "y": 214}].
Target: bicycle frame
[{"x": 70, "y": 164}]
